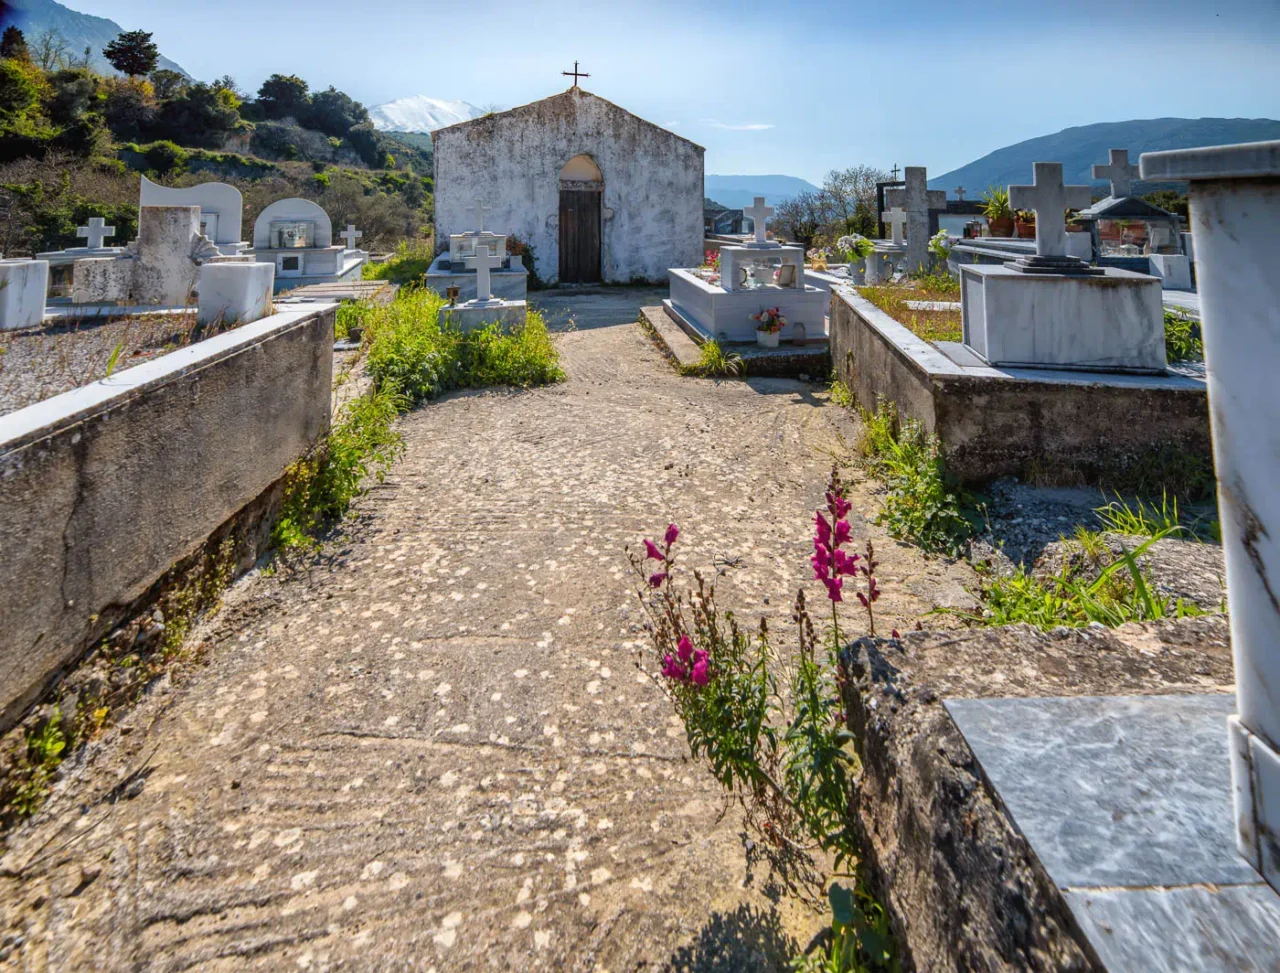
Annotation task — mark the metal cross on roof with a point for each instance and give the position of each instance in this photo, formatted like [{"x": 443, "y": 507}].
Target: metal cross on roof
[
  {"x": 575, "y": 74},
  {"x": 895, "y": 170},
  {"x": 960, "y": 191}
]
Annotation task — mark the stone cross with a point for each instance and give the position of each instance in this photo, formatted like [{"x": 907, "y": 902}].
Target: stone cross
[
  {"x": 759, "y": 213},
  {"x": 351, "y": 235},
  {"x": 484, "y": 291},
  {"x": 919, "y": 199},
  {"x": 481, "y": 212},
  {"x": 1119, "y": 171},
  {"x": 897, "y": 219},
  {"x": 96, "y": 232},
  {"x": 1050, "y": 199},
  {"x": 960, "y": 193}
]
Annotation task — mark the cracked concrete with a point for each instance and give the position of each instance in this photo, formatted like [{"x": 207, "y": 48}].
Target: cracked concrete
[{"x": 430, "y": 747}]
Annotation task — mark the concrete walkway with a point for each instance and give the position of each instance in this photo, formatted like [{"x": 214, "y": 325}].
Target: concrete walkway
[{"x": 430, "y": 749}]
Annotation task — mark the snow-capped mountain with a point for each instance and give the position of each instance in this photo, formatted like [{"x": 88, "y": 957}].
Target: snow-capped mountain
[{"x": 418, "y": 113}]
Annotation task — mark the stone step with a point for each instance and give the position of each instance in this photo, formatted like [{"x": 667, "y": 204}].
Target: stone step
[{"x": 674, "y": 341}]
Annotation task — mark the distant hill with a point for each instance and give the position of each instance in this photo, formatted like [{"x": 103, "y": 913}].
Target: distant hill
[
  {"x": 419, "y": 113},
  {"x": 739, "y": 191},
  {"x": 79, "y": 30},
  {"x": 1079, "y": 148}
]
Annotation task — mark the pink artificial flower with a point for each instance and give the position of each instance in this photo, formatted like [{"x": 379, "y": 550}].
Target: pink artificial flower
[
  {"x": 672, "y": 533},
  {"x": 701, "y": 673},
  {"x": 655, "y": 580},
  {"x": 651, "y": 551},
  {"x": 684, "y": 649}
]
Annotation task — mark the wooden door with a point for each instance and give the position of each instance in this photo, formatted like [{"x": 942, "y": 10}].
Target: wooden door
[{"x": 579, "y": 237}]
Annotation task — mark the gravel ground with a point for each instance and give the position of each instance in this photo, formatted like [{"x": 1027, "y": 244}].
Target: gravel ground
[{"x": 43, "y": 362}]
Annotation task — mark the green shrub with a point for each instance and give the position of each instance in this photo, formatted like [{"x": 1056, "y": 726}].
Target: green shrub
[
  {"x": 919, "y": 506},
  {"x": 320, "y": 488},
  {"x": 165, "y": 158},
  {"x": 1183, "y": 340},
  {"x": 408, "y": 264}
]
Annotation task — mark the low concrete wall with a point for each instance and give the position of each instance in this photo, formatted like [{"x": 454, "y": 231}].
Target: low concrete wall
[
  {"x": 1064, "y": 426},
  {"x": 104, "y": 488}
]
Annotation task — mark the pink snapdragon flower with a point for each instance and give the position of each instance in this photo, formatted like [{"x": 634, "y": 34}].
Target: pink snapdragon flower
[
  {"x": 831, "y": 565},
  {"x": 674, "y": 670},
  {"x": 670, "y": 536},
  {"x": 656, "y": 579},
  {"x": 651, "y": 550},
  {"x": 684, "y": 649}
]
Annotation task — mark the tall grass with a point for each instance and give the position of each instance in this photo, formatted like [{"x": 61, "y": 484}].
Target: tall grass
[{"x": 409, "y": 263}]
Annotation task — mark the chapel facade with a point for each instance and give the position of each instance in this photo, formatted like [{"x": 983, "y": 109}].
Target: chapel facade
[{"x": 601, "y": 194}]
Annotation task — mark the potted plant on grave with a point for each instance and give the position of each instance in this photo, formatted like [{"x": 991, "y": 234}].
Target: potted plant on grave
[
  {"x": 770, "y": 323},
  {"x": 1024, "y": 222},
  {"x": 854, "y": 250},
  {"x": 1072, "y": 225},
  {"x": 997, "y": 211}
]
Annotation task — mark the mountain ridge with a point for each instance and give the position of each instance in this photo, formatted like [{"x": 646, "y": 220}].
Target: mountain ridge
[
  {"x": 737, "y": 192},
  {"x": 79, "y": 30},
  {"x": 1078, "y": 148}
]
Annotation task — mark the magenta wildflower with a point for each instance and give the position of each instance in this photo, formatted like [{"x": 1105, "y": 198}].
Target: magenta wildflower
[
  {"x": 656, "y": 579},
  {"x": 701, "y": 674},
  {"x": 674, "y": 670},
  {"x": 830, "y": 564},
  {"x": 846, "y": 564},
  {"x": 651, "y": 550},
  {"x": 833, "y": 588},
  {"x": 842, "y": 533},
  {"x": 684, "y": 649},
  {"x": 824, "y": 529},
  {"x": 670, "y": 536}
]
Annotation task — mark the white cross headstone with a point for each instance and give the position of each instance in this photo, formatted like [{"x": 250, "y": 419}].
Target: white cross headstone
[
  {"x": 96, "y": 232},
  {"x": 481, "y": 212},
  {"x": 897, "y": 219},
  {"x": 759, "y": 214},
  {"x": 351, "y": 235},
  {"x": 1119, "y": 171},
  {"x": 484, "y": 262},
  {"x": 960, "y": 191},
  {"x": 1050, "y": 199}
]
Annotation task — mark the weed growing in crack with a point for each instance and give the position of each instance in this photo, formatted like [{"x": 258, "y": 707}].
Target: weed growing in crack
[
  {"x": 714, "y": 362},
  {"x": 771, "y": 731}
]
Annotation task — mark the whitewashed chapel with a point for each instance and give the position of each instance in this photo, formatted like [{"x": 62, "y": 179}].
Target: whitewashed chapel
[{"x": 601, "y": 194}]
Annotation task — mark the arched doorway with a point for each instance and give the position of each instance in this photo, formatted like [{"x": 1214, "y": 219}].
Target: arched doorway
[{"x": 581, "y": 188}]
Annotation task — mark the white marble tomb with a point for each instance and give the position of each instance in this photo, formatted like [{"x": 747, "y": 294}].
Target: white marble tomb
[
  {"x": 296, "y": 236},
  {"x": 1051, "y": 310}
]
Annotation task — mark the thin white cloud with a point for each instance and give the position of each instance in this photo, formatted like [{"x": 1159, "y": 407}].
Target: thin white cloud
[{"x": 744, "y": 127}]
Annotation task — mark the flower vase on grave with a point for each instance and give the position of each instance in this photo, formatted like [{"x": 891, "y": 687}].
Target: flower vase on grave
[{"x": 767, "y": 339}]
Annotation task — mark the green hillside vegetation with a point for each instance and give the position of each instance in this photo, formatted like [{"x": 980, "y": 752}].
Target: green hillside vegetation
[{"x": 73, "y": 143}]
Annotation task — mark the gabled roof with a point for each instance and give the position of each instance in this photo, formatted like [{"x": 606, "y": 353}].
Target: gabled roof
[
  {"x": 1124, "y": 208},
  {"x": 570, "y": 93}
]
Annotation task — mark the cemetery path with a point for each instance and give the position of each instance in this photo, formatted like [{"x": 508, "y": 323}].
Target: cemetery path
[{"x": 431, "y": 749}]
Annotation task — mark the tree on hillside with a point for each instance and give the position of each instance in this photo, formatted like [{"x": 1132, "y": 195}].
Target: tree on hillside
[
  {"x": 74, "y": 92},
  {"x": 14, "y": 44},
  {"x": 49, "y": 49},
  {"x": 228, "y": 83},
  {"x": 284, "y": 95},
  {"x": 132, "y": 53},
  {"x": 199, "y": 115},
  {"x": 167, "y": 84},
  {"x": 82, "y": 63},
  {"x": 335, "y": 113}
]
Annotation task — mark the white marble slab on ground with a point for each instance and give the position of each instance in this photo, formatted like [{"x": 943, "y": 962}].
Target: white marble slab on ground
[
  {"x": 934, "y": 305},
  {"x": 1183, "y": 300}
]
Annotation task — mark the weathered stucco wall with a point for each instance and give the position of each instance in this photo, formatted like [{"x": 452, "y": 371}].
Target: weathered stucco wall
[
  {"x": 1089, "y": 429},
  {"x": 511, "y": 162},
  {"x": 102, "y": 489}
]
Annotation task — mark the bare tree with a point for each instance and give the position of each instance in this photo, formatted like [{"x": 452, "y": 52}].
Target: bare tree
[
  {"x": 850, "y": 198},
  {"x": 49, "y": 49},
  {"x": 801, "y": 218}
]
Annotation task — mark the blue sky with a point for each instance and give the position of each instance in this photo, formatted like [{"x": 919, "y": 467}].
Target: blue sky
[{"x": 796, "y": 88}]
